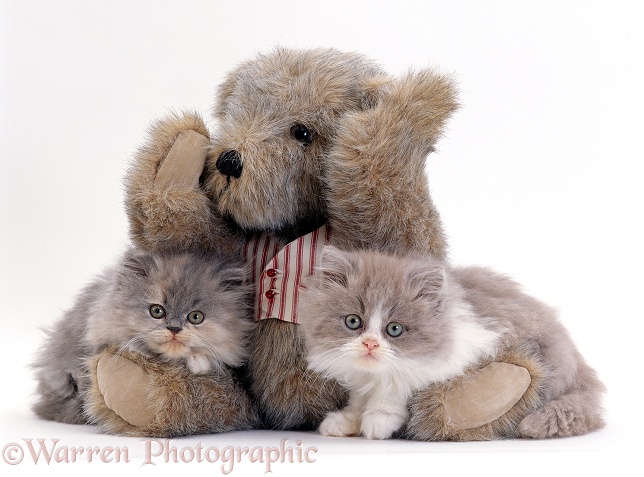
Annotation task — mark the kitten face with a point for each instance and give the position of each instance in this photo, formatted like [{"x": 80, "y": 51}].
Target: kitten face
[
  {"x": 375, "y": 314},
  {"x": 372, "y": 340},
  {"x": 176, "y": 307}
]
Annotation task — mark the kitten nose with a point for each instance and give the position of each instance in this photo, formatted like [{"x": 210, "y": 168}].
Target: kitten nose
[
  {"x": 370, "y": 343},
  {"x": 229, "y": 164},
  {"x": 174, "y": 329}
]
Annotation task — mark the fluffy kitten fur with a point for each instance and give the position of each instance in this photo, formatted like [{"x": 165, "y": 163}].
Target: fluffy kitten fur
[
  {"x": 117, "y": 309},
  {"x": 452, "y": 320}
]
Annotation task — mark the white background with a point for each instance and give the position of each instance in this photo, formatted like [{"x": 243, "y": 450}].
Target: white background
[{"x": 538, "y": 176}]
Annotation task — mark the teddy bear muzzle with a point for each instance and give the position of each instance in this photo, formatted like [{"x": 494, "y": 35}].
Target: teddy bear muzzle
[{"x": 229, "y": 163}]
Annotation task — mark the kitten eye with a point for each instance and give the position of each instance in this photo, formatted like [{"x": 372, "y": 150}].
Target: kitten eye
[
  {"x": 394, "y": 329},
  {"x": 157, "y": 311},
  {"x": 195, "y": 317},
  {"x": 301, "y": 133},
  {"x": 353, "y": 322}
]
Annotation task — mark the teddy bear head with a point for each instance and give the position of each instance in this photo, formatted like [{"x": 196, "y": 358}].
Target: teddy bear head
[{"x": 277, "y": 117}]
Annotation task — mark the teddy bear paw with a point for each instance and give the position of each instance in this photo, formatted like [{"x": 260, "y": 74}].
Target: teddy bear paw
[{"x": 124, "y": 386}]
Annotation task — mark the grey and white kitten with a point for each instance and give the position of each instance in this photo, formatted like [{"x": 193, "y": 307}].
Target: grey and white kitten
[
  {"x": 187, "y": 308},
  {"x": 385, "y": 326}
]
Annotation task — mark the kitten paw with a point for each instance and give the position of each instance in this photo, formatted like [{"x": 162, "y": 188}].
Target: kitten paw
[
  {"x": 198, "y": 364},
  {"x": 339, "y": 424},
  {"x": 380, "y": 424}
]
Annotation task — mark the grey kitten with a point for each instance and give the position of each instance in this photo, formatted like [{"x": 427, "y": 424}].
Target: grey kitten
[
  {"x": 386, "y": 326},
  {"x": 176, "y": 307}
]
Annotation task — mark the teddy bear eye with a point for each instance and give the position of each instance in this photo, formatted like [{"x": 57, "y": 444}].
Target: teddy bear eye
[{"x": 301, "y": 133}]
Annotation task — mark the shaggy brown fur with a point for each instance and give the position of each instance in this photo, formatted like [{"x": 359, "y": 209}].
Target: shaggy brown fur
[
  {"x": 360, "y": 168},
  {"x": 386, "y": 145},
  {"x": 429, "y": 420},
  {"x": 180, "y": 402},
  {"x": 260, "y": 101},
  {"x": 174, "y": 217},
  {"x": 290, "y": 396}
]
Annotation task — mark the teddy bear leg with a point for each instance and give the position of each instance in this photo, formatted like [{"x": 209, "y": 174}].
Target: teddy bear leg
[
  {"x": 166, "y": 206},
  {"x": 134, "y": 396},
  {"x": 485, "y": 404},
  {"x": 288, "y": 395}
]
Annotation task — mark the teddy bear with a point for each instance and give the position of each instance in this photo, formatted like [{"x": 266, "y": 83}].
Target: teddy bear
[{"x": 311, "y": 147}]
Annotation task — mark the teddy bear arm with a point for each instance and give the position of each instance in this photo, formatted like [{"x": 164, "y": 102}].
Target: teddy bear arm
[
  {"x": 387, "y": 204},
  {"x": 377, "y": 209},
  {"x": 165, "y": 204},
  {"x": 406, "y": 223},
  {"x": 131, "y": 395}
]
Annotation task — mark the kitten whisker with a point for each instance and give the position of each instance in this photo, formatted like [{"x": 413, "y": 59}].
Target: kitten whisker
[
  {"x": 137, "y": 338},
  {"x": 218, "y": 359},
  {"x": 331, "y": 363}
]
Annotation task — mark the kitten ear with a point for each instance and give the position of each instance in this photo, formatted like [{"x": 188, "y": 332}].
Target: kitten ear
[
  {"x": 427, "y": 280},
  {"x": 336, "y": 266},
  {"x": 138, "y": 262},
  {"x": 232, "y": 276}
]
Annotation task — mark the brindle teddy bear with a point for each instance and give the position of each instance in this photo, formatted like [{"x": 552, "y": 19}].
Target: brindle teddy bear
[{"x": 312, "y": 147}]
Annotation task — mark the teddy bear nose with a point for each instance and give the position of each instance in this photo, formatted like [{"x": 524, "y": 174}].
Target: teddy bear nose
[{"x": 229, "y": 164}]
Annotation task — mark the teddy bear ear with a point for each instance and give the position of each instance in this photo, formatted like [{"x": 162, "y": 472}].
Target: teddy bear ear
[
  {"x": 373, "y": 90},
  {"x": 224, "y": 91}
]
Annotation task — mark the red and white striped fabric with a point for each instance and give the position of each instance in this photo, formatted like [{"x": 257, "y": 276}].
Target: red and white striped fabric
[{"x": 278, "y": 273}]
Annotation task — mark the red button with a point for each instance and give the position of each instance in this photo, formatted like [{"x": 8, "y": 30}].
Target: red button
[
  {"x": 270, "y": 294},
  {"x": 271, "y": 272}
]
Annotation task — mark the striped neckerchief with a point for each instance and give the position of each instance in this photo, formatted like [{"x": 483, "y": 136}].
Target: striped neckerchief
[{"x": 278, "y": 273}]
